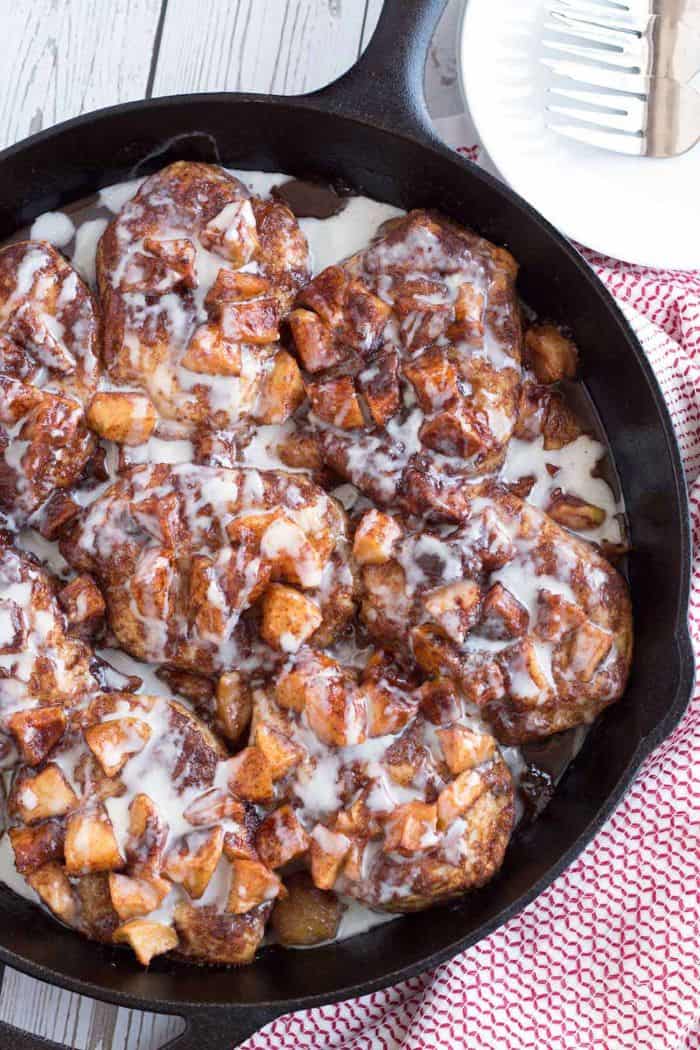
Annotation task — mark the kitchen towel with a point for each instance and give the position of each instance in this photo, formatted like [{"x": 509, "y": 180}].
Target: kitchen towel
[{"x": 608, "y": 957}]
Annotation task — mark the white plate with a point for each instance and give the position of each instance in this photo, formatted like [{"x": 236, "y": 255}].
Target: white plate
[{"x": 633, "y": 208}]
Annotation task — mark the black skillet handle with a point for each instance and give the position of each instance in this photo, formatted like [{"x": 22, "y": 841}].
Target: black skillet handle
[
  {"x": 385, "y": 86},
  {"x": 220, "y": 1029}
]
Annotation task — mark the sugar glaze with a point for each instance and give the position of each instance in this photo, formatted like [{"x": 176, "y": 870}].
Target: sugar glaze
[{"x": 330, "y": 240}]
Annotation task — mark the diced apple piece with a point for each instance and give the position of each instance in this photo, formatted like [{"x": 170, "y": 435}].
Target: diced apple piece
[
  {"x": 282, "y": 390},
  {"x": 234, "y": 704},
  {"x": 209, "y": 352},
  {"x": 314, "y": 341},
  {"x": 440, "y": 702},
  {"x": 585, "y": 650},
  {"x": 83, "y": 604},
  {"x": 231, "y": 286},
  {"x": 454, "y": 800},
  {"x": 453, "y": 434},
  {"x": 282, "y": 754},
  {"x": 556, "y": 617},
  {"x": 336, "y": 711},
  {"x": 388, "y": 709},
  {"x": 252, "y": 883},
  {"x": 335, "y": 401},
  {"x": 528, "y": 682},
  {"x": 212, "y": 806},
  {"x": 410, "y": 828},
  {"x": 574, "y": 513},
  {"x": 328, "y": 852},
  {"x": 434, "y": 379},
  {"x": 48, "y": 794},
  {"x": 36, "y": 731},
  {"x": 147, "y": 834},
  {"x": 249, "y": 776},
  {"x": 463, "y": 748},
  {"x": 147, "y": 938},
  {"x": 375, "y": 538},
  {"x": 288, "y": 618},
  {"x": 254, "y": 321},
  {"x": 281, "y": 837},
  {"x": 53, "y": 886},
  {"x": 36, "y": 846},
  {"x": 192, "y": 862},
  {"x": 307, "y": 915},
  {"x": 551, "y": 354},
  {"x": 502, "y": 615},
  {"x": 128, "y": 419},
  {"x": 133, "y": 897},
  {"x": 178, "y": 253},
  {"x": 232, "y": 233},
  {"x": 114, "y": 742},
  {"x": 90, "y": 843},
  {"x": 291, "y": 555},
  {"x": 455, "y": 608},
  {"x": 296, "y": 683},
  {"x": 561, "y": 425}
]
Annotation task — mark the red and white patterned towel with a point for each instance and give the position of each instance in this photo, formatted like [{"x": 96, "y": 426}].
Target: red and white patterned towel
[{"x": 607, "y": 958}]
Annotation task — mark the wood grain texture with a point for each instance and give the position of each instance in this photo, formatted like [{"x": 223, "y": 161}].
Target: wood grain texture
[
  {"x": 64, "y": 57},
  {"x": 283, "y": 47}
]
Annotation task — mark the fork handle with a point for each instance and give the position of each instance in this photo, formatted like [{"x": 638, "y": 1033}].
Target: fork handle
[{"x": 673, "y": 118}]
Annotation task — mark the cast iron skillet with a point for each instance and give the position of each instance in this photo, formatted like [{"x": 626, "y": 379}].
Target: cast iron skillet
[{"x": 371, "y": 129}]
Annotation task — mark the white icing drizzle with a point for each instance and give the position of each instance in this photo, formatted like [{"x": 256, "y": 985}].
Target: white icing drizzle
[
  {"x": 331, "y": 240},
  {"x": 574, "y": 465},
  {"x": 53, "y": 226}
]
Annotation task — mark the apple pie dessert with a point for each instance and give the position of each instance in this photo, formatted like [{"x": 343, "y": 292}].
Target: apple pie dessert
[{"x": 293, "y": 568}]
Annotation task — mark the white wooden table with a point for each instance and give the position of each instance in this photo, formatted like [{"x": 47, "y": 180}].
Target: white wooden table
[{"x": 65, "y": 57}]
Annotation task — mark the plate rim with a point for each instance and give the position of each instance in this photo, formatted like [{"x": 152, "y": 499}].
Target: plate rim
[{"x": 602, "y": 248}]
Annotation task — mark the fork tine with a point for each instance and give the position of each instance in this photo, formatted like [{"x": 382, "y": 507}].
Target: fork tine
[
  {"x": 624, "y": 63},
  {"x": 618, "y": 103},
  {"x": 635, "y": 145},
  {"x": 631, "y": 122},
  {"x": 632, "y": 83},
  {"x": 602, "y": 16},
  {"x": 629, "y": 42}
]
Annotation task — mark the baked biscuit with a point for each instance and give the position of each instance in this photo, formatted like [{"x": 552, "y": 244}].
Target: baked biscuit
[
  {"x": 43, "y": 670},
  {"x": 531, "y": 621},
  {"x": 391, "y": 792},
  {"x": 197, "y": 564},
  {"x": 48, "y": 374},
  {"x": 194, "y": 278},
  {"x": 412, "y": 352},
  {"x": 130, "y": 831}
]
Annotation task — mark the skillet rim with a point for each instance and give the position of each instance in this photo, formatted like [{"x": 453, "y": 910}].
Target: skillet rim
[{"x": 684, "y": 657}]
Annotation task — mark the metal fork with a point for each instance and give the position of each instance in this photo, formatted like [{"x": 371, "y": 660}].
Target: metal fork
[
  {"x": 674, "y": 10},
  {"x": 662, "y": 118},
  {"x": 643, "y": 110},
  {"x": 651, "y": 45}
]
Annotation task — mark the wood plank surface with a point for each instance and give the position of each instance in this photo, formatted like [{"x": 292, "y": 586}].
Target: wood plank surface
[
  {"x": 65, "y": 57},
  {"x": 283, "y": 47}
]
